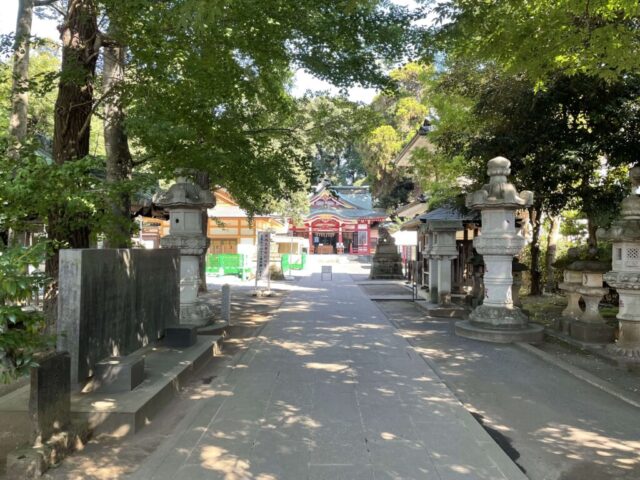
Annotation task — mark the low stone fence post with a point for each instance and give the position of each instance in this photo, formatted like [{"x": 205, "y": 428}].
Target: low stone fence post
[{"x": 225, "y": 308}]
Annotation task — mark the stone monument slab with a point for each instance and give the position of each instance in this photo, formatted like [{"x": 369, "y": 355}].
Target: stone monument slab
[
  {"x": 50, "y": 395},
  {"x": 114, "y": 301}
]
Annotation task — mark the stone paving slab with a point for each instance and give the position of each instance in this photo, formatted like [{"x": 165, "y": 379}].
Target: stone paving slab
[{"x": 331, "y": 391}]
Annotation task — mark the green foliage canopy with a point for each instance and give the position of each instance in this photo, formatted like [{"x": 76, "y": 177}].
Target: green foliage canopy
[{"x": 594, "y": 37}]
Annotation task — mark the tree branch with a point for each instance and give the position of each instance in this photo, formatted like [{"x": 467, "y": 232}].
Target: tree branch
[{"x": 268, "y": 130}]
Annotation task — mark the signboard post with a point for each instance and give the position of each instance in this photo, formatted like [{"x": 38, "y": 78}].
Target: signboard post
[{"x": 264, "y": 255}]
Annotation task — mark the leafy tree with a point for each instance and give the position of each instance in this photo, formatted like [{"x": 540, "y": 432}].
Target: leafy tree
[
  {"x": 597, "y": 38},
  {"x": 402, "y": 110},
  {"x": 223, "y": 81},
  {"x": 21, "y": 331},
  {"x": 206, "y": 90},
  {"x": 558, "y": 140},
  {"x": 332, "y": 128}
]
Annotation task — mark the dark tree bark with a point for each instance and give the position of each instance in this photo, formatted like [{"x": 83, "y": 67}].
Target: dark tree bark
[
  {"x": 592, "y": 239},
  {"x": 72, "y": 123},
  {"x": 119, "y": 162},
  {"x": 204, "y": 182},
  {"x": 552, "y": 246},
  {"x": 536, "y": 274}
]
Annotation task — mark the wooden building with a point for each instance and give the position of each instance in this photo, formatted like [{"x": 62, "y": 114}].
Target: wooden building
[
  {"x": 229, "y": 228},
  {"x": 341, "y": 219}
]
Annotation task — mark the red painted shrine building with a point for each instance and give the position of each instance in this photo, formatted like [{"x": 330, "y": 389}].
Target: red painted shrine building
[{"x": 341, "y": 220}]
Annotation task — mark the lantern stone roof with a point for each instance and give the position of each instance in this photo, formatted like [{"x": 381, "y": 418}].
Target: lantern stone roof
[
  {"x": 184, "y": 194},
  {"x": 449, "y": 214}
]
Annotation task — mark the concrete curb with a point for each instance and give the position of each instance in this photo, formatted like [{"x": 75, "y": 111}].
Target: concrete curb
[{"x": 578, "y": 372}]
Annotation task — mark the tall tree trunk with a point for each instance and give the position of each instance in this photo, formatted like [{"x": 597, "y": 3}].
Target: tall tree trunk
[
  {"x": 72, "y": 123},
  {"x": 592, "y": 239},
  {"x": 204, "y": 182},
  {"x": 552, "y": 246},
  {"x": 536, "y": 275},
  {"x": 119, "y": 163},
  {"x": 19, "y": 89}
]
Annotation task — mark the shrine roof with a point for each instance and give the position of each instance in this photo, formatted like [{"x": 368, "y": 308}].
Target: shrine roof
[
  {"x": 357, "y": 196},
  {"x": 352, "y": 213},
  {"x": 449, "y": 213}
]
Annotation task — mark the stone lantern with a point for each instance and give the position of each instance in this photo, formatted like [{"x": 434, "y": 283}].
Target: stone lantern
[
  {"x": 185, "y": 203},
  {"x": 572, "y": 281},
  {"x": 444, "y": 251},
  {"x": 497, "y": 319},
  {"x": 433, "y": 267},
  {"x": 590, "y": 326},
  {"x": 625, "y": 275}
]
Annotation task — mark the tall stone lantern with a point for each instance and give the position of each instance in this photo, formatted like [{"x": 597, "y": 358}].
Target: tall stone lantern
[
  {"x": 497, "y": 319},
  {"x": 625, "y": 275},
  {"x": 185, "y": 203}
]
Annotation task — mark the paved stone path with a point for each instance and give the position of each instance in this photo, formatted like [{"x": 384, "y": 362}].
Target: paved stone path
[
  {"x": 556, "y": 426},
  {"x": 330, "y": 391}
]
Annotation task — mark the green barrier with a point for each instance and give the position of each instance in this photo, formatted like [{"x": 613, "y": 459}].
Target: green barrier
[
  {"x": 293, "y": 262},
  {"x": 228, "y": 264}
]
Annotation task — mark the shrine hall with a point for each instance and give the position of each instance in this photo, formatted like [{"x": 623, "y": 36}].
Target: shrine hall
[{"x": 341, "y": 219}]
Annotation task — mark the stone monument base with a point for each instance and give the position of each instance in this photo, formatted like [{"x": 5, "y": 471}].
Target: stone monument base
[
  {"x": 528, "y": 333},
  {"x": 386, "y": 264},
  {"x": 591, "y": 332},
  {"x": 118, "y": 374},
  {"x": 198, "y": 313}
]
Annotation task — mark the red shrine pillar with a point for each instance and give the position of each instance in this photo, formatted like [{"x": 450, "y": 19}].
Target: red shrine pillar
[
  {"x": 341, "y": 247},
  {"x": 368, "y": 251},
  {"x": 311, "y": 240}
]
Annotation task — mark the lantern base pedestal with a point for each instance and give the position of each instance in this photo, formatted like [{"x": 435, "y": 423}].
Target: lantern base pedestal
[
  {"x": 198, "y": 313},
  {"x": 627, "y": 354},
  {"x": 499, "y": 325},
  {"x": 591, "y": 332},
  {"x": 527, "y": 334}
]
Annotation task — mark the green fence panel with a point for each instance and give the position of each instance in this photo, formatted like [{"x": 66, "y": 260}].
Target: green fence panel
[
  {"x": 293, "y": 262},
  {"x": 228, "y": 264}
]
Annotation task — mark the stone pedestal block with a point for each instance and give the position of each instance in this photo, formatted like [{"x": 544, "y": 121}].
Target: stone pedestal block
[
  {"x": 50, "y": 395},
  {"x": 433, "y": 280},
  {"x": 592, "y": 297},
  {"x": 591, "y": 332},
  {"x": 573, "y": 309},
  {"x": 182, "y": 336},
  {"x": 564, "y": 324},
  {"x": 119, "y": 374}
]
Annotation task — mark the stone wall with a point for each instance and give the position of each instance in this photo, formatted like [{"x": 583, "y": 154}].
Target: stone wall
[{"x": 114, "y": 301}]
